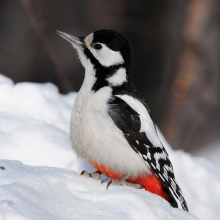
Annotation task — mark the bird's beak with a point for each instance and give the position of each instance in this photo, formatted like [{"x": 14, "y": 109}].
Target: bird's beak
[{"x": 77, "y": 42}]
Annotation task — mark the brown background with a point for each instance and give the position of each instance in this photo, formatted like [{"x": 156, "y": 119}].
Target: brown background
[{"x": 175, "y": 47}]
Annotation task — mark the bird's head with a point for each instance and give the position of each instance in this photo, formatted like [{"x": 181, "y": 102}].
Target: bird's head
[{"x": 106, "y": 51}]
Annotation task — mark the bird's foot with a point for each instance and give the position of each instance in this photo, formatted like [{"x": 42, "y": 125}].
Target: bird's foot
[
  {"x": 95, "y": 175},
  {"x": 121, "y": 182}
]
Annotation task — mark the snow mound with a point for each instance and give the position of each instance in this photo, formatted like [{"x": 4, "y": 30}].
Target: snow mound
[
  {"x": 28, "y": 192},
  {"x": 34, "y": 129},
  {"x": 34, "y": 124}
]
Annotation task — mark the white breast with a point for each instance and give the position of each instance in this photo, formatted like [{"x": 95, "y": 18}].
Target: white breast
[{"x": 96, "y": 138}]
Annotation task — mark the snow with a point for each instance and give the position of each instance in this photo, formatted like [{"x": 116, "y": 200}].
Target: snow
[
  {"x": 41, "y": 180},
  {"x": 29, "y": 192},
  {"x": 212, "y": 153},
  {"x": 34, "y": 123},
  {"x": 200, "y": 182}
]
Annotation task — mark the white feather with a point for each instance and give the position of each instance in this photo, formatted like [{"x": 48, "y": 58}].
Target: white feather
[
  {"x": 118, "y": 78},
  {"x": 147, "y": 124}
]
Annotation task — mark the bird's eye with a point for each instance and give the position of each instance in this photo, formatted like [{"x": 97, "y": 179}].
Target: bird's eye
[{"x": 98, "y": 46}]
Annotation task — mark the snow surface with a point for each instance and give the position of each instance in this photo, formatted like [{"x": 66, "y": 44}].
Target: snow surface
[
  {"x": 29, "y": 192},
  {"x": 41, "y": 180},
  {"x": 212, "y": 153}
]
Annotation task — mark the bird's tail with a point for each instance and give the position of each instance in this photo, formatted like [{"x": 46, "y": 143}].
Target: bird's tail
[
  {"x": 176, "y": 198},
  {"x": 154, "y": 185}
]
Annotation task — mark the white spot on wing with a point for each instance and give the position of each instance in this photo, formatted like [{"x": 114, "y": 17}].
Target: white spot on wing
[
  {"x": 145, "y": 157},
  {"x": 161, "y": 176},
  {"x": 168, "y": 168},
  {"x": 153, "y": 166}
]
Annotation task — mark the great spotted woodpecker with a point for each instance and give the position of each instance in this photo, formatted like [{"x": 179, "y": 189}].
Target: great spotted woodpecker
[{"x": 111, "y": 126}]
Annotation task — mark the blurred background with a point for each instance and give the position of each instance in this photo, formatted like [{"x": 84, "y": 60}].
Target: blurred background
[{"x": 175, "y": 48}]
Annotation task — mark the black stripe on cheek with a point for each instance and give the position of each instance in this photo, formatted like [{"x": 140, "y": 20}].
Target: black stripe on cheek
[
  {"x": 101, "y": 72},
  {"x": 100, "y": 81},
  {"x": 93, "y": 60}
]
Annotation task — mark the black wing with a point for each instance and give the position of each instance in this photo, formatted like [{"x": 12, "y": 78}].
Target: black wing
[{"x": 156, "y": 157}]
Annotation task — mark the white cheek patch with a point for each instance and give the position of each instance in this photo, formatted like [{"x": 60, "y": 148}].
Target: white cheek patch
[
  {"x": 106, "y": 56},
  {"x": 118, "y": 78}
]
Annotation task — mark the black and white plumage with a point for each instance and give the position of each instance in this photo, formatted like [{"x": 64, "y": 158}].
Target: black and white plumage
[{"x": 111, "y": 125}]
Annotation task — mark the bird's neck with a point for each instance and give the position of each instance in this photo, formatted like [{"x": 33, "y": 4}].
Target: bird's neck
[{"x": 112, "y": 76}]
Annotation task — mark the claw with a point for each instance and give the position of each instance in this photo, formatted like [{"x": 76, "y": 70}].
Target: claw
[
  {"x": 85, "y": 173},
  {"x": 108, "y": 180},
  {"x": 142, "y": 186},
  {"x": 124, "y": 178},
  {"x": 105, "y": 180},
  {"x": 121, "y": 182},
  {"x": 109, "y": 183},
  {"x": 95, "y": 175}
]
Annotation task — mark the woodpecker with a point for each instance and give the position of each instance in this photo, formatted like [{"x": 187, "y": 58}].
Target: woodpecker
[{"x": 111, "y": 126}]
